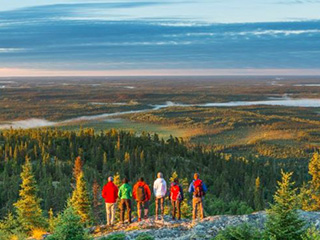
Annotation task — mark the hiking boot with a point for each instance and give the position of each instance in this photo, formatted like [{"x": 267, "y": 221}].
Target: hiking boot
[{"x": 145, "y": 217}]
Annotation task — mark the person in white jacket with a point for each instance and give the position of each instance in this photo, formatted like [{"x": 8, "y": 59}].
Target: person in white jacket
[{"x": 160, "y": 191}]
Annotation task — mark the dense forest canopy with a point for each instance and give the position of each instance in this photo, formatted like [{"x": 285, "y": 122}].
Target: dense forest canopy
[{"x": 52, "y": 153}]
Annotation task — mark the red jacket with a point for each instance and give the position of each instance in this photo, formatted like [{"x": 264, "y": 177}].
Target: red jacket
[
  {"x": 146, "y": 190},
  {"x": 110, "y": 192}
]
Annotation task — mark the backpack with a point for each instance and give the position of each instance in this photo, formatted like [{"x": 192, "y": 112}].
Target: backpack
[
  {"x": 141, "y": 195},
  {"x": 175, "y": 192},
  {"x": 198, "y": 188}
]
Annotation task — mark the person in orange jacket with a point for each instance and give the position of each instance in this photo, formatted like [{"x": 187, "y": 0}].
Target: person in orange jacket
[{"x": 142, "y": 195}]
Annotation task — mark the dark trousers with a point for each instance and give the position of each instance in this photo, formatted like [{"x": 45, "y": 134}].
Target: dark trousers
[
  {"x": 176, "y": 209},
  {"x": 125, "y": 205},
  {"x": 160, "y": 205}
]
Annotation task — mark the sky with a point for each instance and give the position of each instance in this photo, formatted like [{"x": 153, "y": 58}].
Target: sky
[{"x": 159, "y": 37}]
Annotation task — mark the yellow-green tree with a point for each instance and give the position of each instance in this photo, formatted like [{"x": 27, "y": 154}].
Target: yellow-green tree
[
  {"x": 305, "y": 200},
  {"x": 51, "y": 220},
  {"x": 117, "y": 182},
  {"x": 28, "y": 205},
  {"x": 314, "y": 171},
  {"x": 258, "y": 200},
  {"x": 283, "y": 221},
  {"x": 80, "y": 200}
]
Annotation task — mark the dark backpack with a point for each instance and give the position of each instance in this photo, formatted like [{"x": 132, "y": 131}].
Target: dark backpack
[
  {"x": 198, "y": 188},
  {"x": 141, "y": 195}
]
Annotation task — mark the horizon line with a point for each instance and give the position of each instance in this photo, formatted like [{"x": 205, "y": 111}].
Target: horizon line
[{"x": 20, "y": 72}]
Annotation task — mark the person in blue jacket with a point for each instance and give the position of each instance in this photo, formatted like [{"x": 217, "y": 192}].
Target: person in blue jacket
[{"x": 198, "y": 190}]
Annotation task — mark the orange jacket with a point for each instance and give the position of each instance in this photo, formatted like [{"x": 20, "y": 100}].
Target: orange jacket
[{"x": 146, "y": 190}]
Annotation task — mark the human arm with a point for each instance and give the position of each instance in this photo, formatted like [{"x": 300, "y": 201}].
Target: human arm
[
  {"x": 181, "y": 192},
  {"x": 148, "y": 191},
  {"x": 155, "y": 187},
  {"x": 103, "y": 192},
  {"x": 116, "y": 192},
  {"x": 120, "y": 192},
  {"x": 134, "y": 193},
  {"x": 130, "y": 188},
  {"x": 165, "y": 188},
  {"x": 191, "y": 188}
]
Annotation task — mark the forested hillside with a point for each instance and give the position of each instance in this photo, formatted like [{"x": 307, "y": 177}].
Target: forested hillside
[{"x": 53, "y": 152}]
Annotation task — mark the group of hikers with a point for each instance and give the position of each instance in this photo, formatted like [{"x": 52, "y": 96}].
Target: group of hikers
[{"x": 142, "y": 195}]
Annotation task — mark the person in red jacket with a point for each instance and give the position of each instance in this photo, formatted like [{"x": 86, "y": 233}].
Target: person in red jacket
[
  {"x": 110, "y": 195},
  {"x": 176, "y": 197},
  {"x": 142, "y": 195}
]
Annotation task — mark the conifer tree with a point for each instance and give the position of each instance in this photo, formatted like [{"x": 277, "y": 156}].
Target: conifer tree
[
  {"x": 28, "y": 205},
  {"x": 258, "y": 201},
  {"x": 51, "y": 220},
  {"x": 80, "y": 199},
  {"x": 69, "y": 227},
  {"x": 105, "y": 162},
  {"x": 305, "y": 198},
  {"x": 283, "y": 221},
  {"x": 314, "y": 171},
  {"x": 117, "y": 180},
  {"x": 77, "y": 167},
  {"x": 96, "y": 203},
  {"x": 126, "y": 157}
]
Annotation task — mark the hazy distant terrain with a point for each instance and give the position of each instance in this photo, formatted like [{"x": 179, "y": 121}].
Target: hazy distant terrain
[{"x": 270, "y": 117}]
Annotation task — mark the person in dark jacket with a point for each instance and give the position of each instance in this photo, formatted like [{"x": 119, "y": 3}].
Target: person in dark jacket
[
  {"x": 198, "y": 190},
  {"x": 142, "y": 195},
  {"x": 176, "y": 197},
  {"x": 125, "y": 195},
  {"x": 110, "y": 195}
]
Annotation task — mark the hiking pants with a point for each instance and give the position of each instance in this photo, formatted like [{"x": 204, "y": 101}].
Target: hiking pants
[
  {"x": 197, "y": 204},
  {"x": 111, "y": 211},
  {"x": 125, "y": 205},
  {"x": 160, "y": 201},
  {"x": 142, "y": 205},
  {"x": 176, "y": 209}
]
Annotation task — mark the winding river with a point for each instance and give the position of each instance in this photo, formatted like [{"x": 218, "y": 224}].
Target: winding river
[{"x": 284, "y": 101}]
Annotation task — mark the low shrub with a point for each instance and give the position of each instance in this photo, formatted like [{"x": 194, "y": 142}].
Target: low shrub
[
  {"x": 311, "y": 234},
  {"x": 145, "y": 236},
  {"x": 69, "y": 227},
  {"x": 241, "y": 232},
  {"x": 117, "y": 236}
]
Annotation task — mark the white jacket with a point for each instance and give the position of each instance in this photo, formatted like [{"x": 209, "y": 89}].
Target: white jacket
[{"x": 160, "y": 188}]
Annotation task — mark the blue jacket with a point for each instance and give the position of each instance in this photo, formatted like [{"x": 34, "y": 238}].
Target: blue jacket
[{"x": 191, "y": 187}]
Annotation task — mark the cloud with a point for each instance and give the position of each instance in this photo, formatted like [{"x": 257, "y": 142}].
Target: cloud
[
  {"x": 293, "y": 2},
  {"x": 74, "y": 37},
  {"x": 278, "y": 32},
  {"x": 11, "y": 50}
]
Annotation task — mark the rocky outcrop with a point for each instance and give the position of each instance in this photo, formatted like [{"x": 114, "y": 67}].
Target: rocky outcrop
[{"x": 185, "y": 229}]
